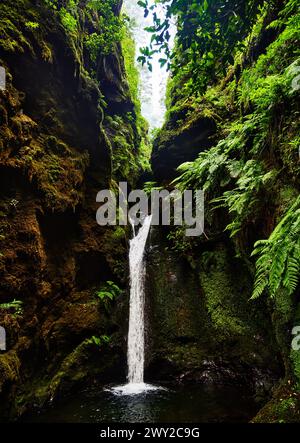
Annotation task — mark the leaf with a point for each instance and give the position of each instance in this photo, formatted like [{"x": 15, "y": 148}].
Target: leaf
[
  {"x": 142, "y": 60},
  {"x": 105, "y": 338},
  {"x": 162, "y": 62}
]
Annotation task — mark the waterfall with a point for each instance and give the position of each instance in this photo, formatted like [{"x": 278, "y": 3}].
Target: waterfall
[
  {"x": 136, "y": 330},
  {"x": 136, "y": 339}
]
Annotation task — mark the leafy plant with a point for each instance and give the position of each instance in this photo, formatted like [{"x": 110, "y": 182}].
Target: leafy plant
[
  {"x": 151, "y": 186},
  {"x": 109, "y": 291},
  {"x": 52, "y": 4},
  {"x": 110, "y": 28},
  {"x": 209, "y": 33},
  {"x": 215, "y": 168},
  {"x": 243, "y": 201},
  {"x": 230, "y": 173},
  {"x": 99, "y": 341},
  {"x": 278, "y": 258},
  {"x": 16, "y": 305},
  {"x": 32, "y": 25},
  {"x": 179, "y": 242},
  {"x": 68, "y": 20},
  {"x": 67, "y": 11}
]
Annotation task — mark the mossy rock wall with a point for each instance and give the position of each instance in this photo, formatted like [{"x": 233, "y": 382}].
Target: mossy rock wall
[
  {"x": 255, "y": 112},
  {"x": 201, "y": 324},
  {"x": 60, "y": 119}
]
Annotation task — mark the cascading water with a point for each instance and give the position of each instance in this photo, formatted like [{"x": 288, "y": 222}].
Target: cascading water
[
  {"x": 137, "y": 302},
  {"x": 152, "y": 93},
  {"x": 136, "y": 331}
]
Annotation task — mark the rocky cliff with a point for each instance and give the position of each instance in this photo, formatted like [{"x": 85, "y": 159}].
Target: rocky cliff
[
  {"x": 67, "y": 122},
  {"x": 236, "y": 139},
  {"x": 70, "y": 125}
]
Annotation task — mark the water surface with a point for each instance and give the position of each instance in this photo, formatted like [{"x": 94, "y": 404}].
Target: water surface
[{"x": 180, "y": 404}]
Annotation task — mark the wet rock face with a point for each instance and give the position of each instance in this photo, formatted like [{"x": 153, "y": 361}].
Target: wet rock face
[
  {"x": 174, "y": 146},
  {"x": 114, "y": 84},
  {"x": 55, "y": 156},
  {"x": 200, "y": 324}
]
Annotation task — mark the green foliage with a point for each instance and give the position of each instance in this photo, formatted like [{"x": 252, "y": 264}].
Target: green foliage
[
  {"x": 15, "y": 305},
  {"x": 68, "y": 20},
  {"x": 217, "y": 167},
  {"x": 232, "y": 173},
  {"x": 57, "y": 169},
  {"x": 151, "y": 186},
  {"x": 109, "y": 291},
  {"x": 209, "y": 34},
  {"x": 32, "y": 25},
  {"x": 124, "y": 158},
  {"x": 109, "y": 28},
  {"x": 52, "y": 4},
  {"x": 128, "y": 51},
  {"x": 12, "y": 22},
  {"x": 99, "y": 341},
  {"x": 179, "y": 242},
  {"x": 278, "y": 258},
  {"x": 244, "y": 201},
  {"x": 130, "y": 147},
  {"x": 67, "y": 11},
  {"x": 95, "y": 43},
  {"x": 132, "y": 75}
]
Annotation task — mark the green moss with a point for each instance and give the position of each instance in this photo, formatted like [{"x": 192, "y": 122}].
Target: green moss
[
  {"x": 128, "y": 50},
  {"x": 79, "y": 366},
  {"x": 132, "y": 75},
  {"x": 130, "y": 148},
  {"x": 283, "y": 408},
  {"x": 295, "y": 359},
  {"x": 204, "y": 313},
  {"x": 11, "y": 23},
  {"x": 119, "y": 233},
  {"x": 9, "y": 369},
  {"x": 228, "y": 313},
  {"x": 295, "y": 354},
  {"x": 58, "y": 172}
]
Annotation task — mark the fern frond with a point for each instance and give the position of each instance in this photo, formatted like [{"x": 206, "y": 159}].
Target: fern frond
[{"x": 278, "y": 258}]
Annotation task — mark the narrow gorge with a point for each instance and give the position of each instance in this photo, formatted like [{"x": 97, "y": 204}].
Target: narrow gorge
[{"x": 163, "y": 95}]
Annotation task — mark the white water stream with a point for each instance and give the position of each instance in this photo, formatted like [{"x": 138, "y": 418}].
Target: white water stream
[
  {"x": 152, "y": 93},
  {"x": 136, "y": 339},
  {"x": 136, "y": 331}
]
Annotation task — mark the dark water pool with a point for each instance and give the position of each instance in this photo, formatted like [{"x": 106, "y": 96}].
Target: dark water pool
[{"x": 177, "y": 404}]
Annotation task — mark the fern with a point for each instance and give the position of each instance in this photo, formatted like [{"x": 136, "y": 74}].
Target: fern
[
  {"x": 109, "y": 291},
  {"x": 278, "y": 258},
  {"x": 221, "y": 165},
  {"x": 242, "y": 202},
  {"x": 99, "y": 341},
  {"x": 151, "y": 186}
]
